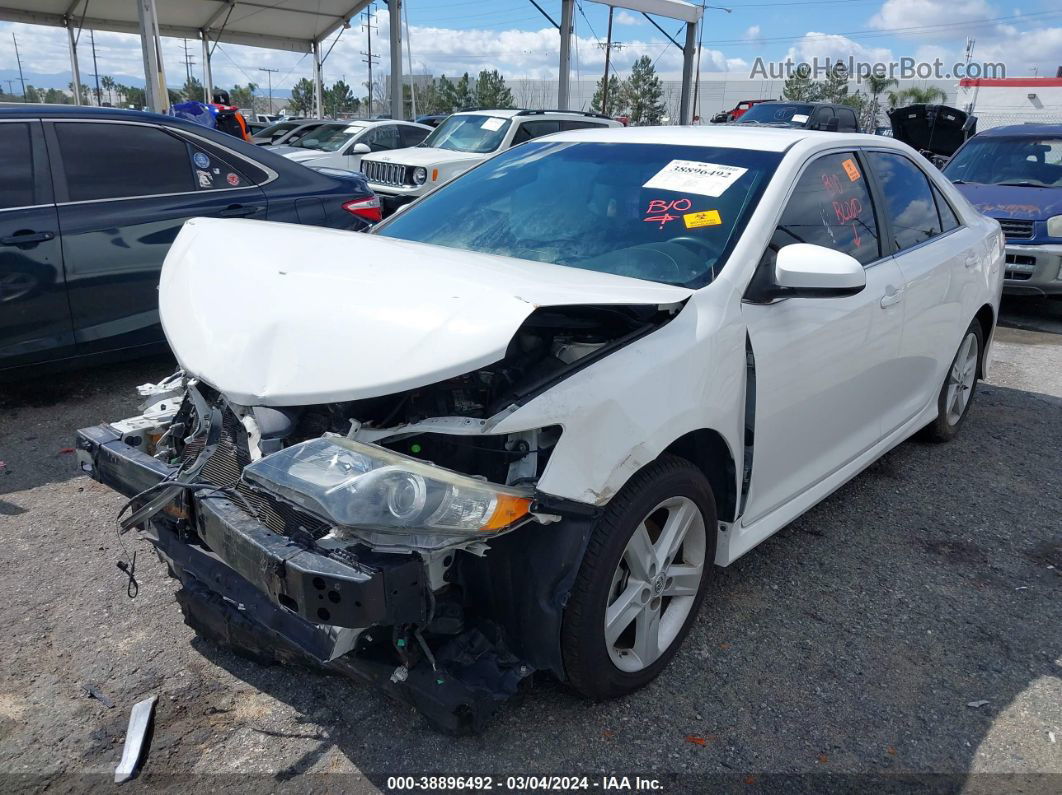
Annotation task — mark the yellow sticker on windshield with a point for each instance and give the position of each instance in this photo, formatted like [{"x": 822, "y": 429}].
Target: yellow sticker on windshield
[{"x": 706, "y": 218}]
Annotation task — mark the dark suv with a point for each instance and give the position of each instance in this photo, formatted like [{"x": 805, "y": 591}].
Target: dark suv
[
  {"x": 807, "y": 115},
  {"x": 90, "y": 200}
]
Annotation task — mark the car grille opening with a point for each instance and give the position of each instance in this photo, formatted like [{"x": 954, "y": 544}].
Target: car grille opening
[
  {"x": 387, "y": 173},
  {"x": 223, "y": 469},
  {"x": 1019, "y": 267},
  {"x": 1016, "y": 230}
]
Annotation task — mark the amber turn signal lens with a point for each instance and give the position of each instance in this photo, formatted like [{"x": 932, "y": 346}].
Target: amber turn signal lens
[{"x": 507, "y": 511}]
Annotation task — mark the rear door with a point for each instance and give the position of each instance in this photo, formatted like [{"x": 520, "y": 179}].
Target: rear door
[
  {"x": 34, "y": 314},
  {"x": 124, "y": 190},
  {"x": 937, "y": 257}
]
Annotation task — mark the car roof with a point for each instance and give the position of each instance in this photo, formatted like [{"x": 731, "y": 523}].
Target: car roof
[
  {"x": 1031, "y": 130},
  {"x": 45, "y": 111},
  {"x": 768, "y": 139}
]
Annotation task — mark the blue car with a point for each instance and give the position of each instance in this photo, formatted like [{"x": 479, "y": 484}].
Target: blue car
[
  {"x": 1014, "y": 174},
  {"x": 90, "y": 200}
]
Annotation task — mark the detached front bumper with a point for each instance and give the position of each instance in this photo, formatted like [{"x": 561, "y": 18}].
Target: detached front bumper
[
  {"x": 1033, "y": 269},
  {"x": 373, "y": 589}
]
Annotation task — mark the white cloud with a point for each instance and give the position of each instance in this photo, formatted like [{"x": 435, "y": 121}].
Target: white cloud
[
  {"x": 627, "y": 18},
  {"x": 752, "y": 33},
  {"x": 813, "y": 45},
  {"x": 920, "y": 13}
]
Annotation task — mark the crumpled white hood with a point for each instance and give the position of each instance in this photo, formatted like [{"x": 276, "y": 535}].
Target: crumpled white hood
[{"x": 283, "y": 315}]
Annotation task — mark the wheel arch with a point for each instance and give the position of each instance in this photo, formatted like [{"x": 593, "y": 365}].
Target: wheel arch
[
  {"x": 986, "y": 317},
  {"x": 707, "y": 450}
]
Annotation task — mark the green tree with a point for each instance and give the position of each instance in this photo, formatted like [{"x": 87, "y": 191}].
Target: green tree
[
  {"x": 301, "y": 100},
  {"x": 916, "y": 96},
  {"x": 876, "y": 86},
  {"x": 339, "y": 98},
  {"x": 109, "y": 86},
  {"x": 834, "y": 88},
  {"x": 243, "y": 96},
  {"x": 491, "y": 91},
  {"x": 616, "y": 97},
  {"x": 132, "y": 96},
  {"x": 53, "y": 96},
  {"x": 863, "y": 106},
  {"x": 192, "y": 90},
  {"x": 644, "y": 93},
  {"x": 32, "y": 94},
  {"x": 799, "y": 87}
]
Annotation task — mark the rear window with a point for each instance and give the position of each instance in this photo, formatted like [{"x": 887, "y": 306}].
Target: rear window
[
  {"x": 16, "y": 166},
  {"x": 661, "y": 213}
]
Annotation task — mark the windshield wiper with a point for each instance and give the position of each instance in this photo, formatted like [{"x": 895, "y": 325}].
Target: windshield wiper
[{"x": 1024, "y": 184}]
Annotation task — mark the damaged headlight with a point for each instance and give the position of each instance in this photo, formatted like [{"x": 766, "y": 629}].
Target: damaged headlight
[{"x": 371, "y": 488}]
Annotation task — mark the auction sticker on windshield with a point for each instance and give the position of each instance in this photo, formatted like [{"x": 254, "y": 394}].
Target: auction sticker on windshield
[
  {"x": 493, "y": 124},
  {"x": 691, "y": 176},
  {"x": 800, "y": 118}
]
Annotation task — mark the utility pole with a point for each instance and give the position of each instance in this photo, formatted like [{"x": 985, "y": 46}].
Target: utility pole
[
  {"x": 188, "y": 61},
  {"x": 608, "y": 46},
  {"x": 95, "y": 69},
  {"x": 9, "y": 84},
  {"x": 368, "y": 55},
  {"x": 269, "y": 80},
  {"x": 19, "y": 61}
]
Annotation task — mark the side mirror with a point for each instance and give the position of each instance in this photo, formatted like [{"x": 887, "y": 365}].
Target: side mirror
[
  {"x": 360, "y": 149},
  {"x": 810, "y": 271}
]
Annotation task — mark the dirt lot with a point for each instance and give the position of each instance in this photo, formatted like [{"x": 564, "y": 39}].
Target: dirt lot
[{"x": 853, "y": 643}]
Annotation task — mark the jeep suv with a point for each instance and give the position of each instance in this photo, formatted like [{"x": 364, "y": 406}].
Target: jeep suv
[{"x": 461, "y": 142}]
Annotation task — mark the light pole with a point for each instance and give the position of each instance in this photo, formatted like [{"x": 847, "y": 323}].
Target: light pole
[
  {"x": 700, "y": 38},
  {"x": 269, "y": 81}
]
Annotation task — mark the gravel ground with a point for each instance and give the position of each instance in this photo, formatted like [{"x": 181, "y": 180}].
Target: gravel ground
[{"x": 854, "y": 643}]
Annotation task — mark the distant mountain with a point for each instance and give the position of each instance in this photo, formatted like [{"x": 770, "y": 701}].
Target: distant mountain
[{"x": 61, "y": 80}]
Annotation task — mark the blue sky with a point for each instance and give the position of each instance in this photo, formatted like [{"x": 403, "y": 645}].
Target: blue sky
[{"x": 453, "y": 36}]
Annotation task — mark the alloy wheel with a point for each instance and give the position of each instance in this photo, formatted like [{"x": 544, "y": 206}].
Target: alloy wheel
[
  {"x": 961, "y": 379},
  {"x": 655, "y": 584}
]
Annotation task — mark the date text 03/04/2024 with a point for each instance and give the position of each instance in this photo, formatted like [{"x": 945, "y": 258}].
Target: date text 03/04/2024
[{"x": 521, "y": 783}]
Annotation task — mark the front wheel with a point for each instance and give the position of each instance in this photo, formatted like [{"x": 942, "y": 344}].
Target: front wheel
[
  {"x": 957, "y": 393},
  {"x": 641, "y": 581}
]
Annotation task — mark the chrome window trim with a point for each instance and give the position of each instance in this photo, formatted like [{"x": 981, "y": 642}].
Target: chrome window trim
[
  {"x": 25, "y": 207},
  {"x": 272, "y": 175}
]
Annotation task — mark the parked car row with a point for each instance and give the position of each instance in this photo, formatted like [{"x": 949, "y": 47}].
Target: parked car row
[{"x": 91, "y": 200}]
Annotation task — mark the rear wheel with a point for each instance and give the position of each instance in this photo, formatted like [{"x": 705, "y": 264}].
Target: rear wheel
[
  {"x": 957, "y": 393},
  {"x": 641, "y": 581}
]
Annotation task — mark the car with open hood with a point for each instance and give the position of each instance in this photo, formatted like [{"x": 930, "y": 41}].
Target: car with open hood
[
  {"x": 461, "y": 141},
  {"x": 1014, "y": 174},
  {"x": 936, "y": 131},
  {"x": 518, "y": 437}
]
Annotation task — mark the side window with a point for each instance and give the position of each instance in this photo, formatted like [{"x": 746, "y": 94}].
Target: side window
[
  {"x": 411, "y": 136},
  {"x": 948, "y": 219},
  {"x": 579, "y": 125},
  {"x": 534, "y": 129},
  {"x": 16, "y": 166},
  {"x": 383, "y": 138},
  {"x": 831, "y": 207},
  {"x": 909, "y": 202},
  {"x": 109, "y": 161},
  {"x": 821, "y": 119},
  {"x": 219, "y": 164},
  {"x": 847, "y": 119}
]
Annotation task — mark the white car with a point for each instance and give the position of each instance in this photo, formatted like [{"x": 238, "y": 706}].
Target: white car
[
  {"x": 342, "y": 144},
  {"x": 518, "y": 426},
  {"x": 459, "y": 143}
]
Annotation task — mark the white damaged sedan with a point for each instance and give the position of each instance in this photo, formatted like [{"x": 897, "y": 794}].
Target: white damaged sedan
[{"x": 516, "y": 427}]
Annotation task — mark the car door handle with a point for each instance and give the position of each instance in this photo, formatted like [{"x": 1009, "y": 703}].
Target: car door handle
[
  {"x": 238, "y": 211},
  {"x": 26, "y": 237},
  {"x": 890, "y": 298}
]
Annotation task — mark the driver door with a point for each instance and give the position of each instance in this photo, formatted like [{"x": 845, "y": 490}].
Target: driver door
[{"x": 823, "y": 366}]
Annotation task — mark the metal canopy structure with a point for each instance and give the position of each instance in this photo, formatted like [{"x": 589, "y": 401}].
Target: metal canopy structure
[
  {"x": 674, "y": 9},
  {"x": 291, "y": 25}
]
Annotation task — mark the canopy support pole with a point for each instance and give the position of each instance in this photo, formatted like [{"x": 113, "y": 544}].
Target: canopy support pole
[
  {"x": 318, "y": 85},
  {"x": 564, "y": 81},
  {"x": 154, "y": 84},
  {"x": 688, "y": 53},
  {"x": 394, "y": 24},
  {"x": 75, "y": 70},
  {"x": 208, "y": 78}
]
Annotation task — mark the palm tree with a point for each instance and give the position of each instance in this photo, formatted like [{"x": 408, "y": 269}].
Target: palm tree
[
  {"x": 916, "y": 96},
  {"x": 876, "y": 84},
  {"x": 108, "y": 85}
]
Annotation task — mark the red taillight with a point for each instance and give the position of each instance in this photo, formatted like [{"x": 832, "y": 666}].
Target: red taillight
[{"x": 369, "y": 209}]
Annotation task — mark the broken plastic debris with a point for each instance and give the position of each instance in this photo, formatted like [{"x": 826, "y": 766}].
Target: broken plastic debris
[
  {"x": 93, "y": 691},
  {"x": 66, "y": 451},
  {"x": 977, "y": 704},
  {"x": 695, "y": 740},
  {"x": 135, "y": 739}
]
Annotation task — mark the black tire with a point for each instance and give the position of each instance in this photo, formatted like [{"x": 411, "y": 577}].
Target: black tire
[
  {"x": 944, "y": 428},
  {"x": 589, "y": 667}
]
